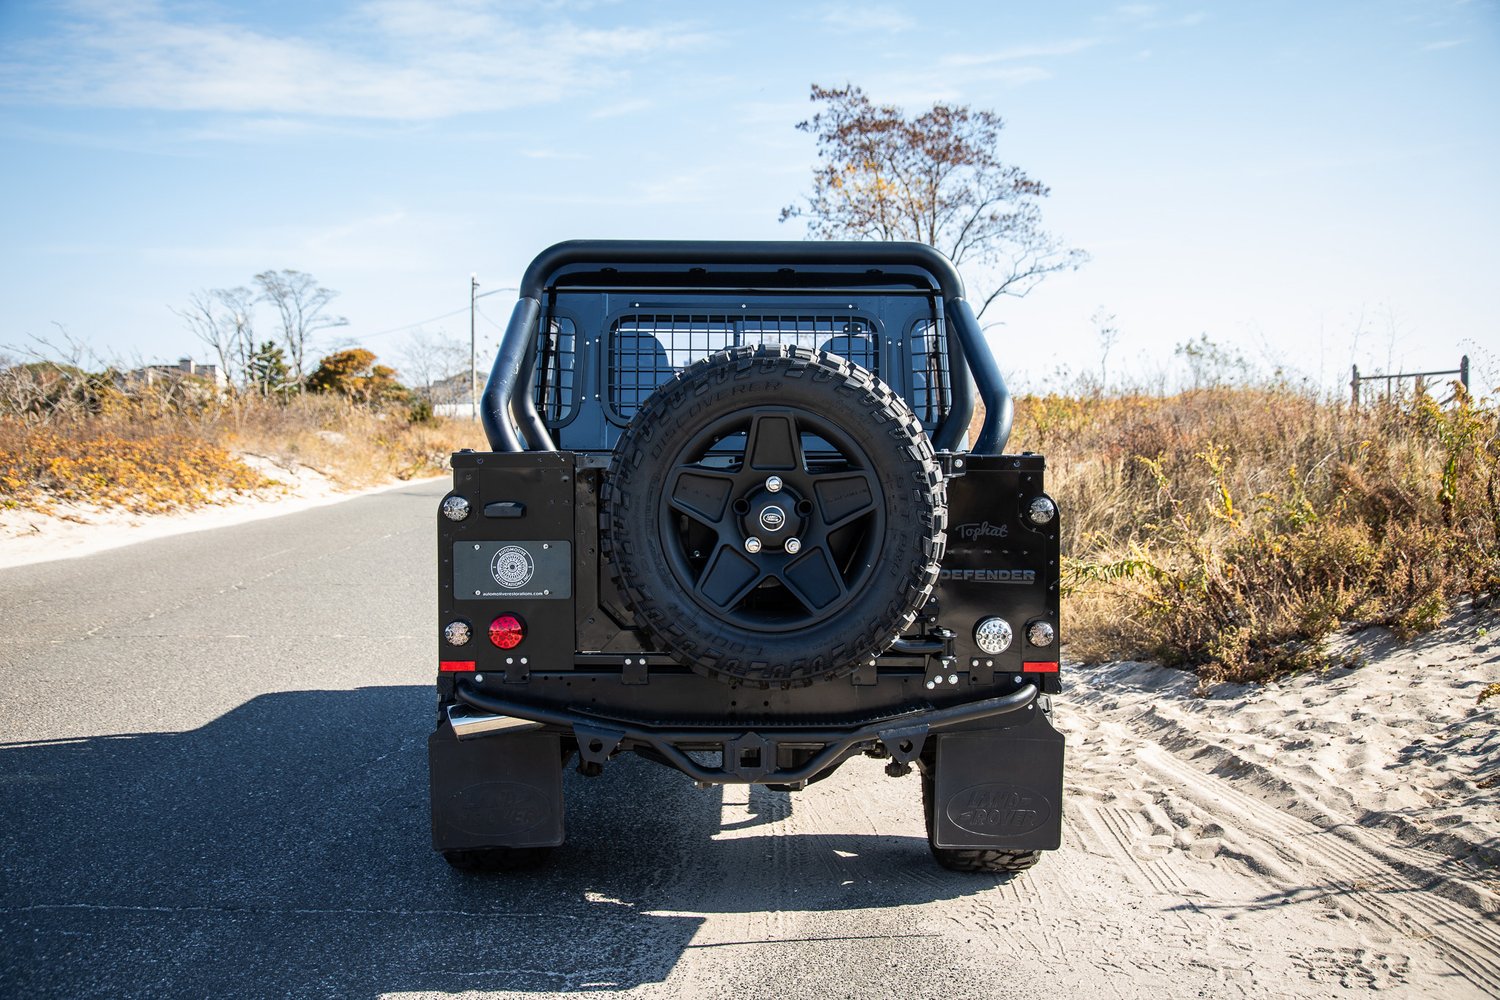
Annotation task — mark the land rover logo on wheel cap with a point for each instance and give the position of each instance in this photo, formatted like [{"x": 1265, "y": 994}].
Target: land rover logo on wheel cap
[
  {"x": 772, "y": 518},
  {"x": 512, "y": 567}
]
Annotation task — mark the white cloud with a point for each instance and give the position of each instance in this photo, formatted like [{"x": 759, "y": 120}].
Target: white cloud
[
  {"x": 867, "y": 17},
  {"x": 1148, "y": 16},
  {"x": 1018, "y": 53},
  {"x": 1136, "y": 11},
  {"x": 1445, "y": 44},
  {"x": 551, "y": 154},
  {"x": 389, "y": 59},
  {"x": 621, "y": 108}
]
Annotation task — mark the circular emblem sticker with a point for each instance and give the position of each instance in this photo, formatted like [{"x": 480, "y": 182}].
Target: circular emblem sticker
[
  {"x": 512, "y": 567},
  {"x": 772, "y": 518}
]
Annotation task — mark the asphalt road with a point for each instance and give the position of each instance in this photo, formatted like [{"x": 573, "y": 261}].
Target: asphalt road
[{"x": 213, "y": 783}]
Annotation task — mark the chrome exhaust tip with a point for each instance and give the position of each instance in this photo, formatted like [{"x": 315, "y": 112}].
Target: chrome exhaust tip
[{"x": 469, "y": 723}]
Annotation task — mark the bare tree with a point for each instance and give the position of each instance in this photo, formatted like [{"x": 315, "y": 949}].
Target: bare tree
[
  {"x": 239, "y": 314},
  {"x": 222, "y": 319},
  {"x": 301, "y": 305},
  {"x": 48, "y": 379},
  {"x": 934, "y": 178},
  {"x": 1108, "y": 333},
  {"x": 430, "y": 359}
]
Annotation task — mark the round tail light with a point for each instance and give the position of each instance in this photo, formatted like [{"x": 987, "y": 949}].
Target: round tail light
[
  {"x": 993, "y": 635},
  {"x": 507, "y": 631},
  {"x": 457, "y": 633}
]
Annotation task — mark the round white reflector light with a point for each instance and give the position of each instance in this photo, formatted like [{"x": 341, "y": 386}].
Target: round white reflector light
[
  {"x": 1041, "y": 510},
  {"x": 457, "y": 633},
  {"x": 1040, "y": 634},
  {"x": 993, "y": 635},
  {"x": 455, "y": 508}
]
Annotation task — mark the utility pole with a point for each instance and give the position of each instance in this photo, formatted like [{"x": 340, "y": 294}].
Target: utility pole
[
  {"x": 474, "y": 298},
  {"x": 473, "y": 351}
]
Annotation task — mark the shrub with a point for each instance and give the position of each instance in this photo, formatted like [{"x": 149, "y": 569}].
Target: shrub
[
  {"x": 67, "y": 436},
  {"x": 1231, "y": 530},
  {"x": 150, "y": 473}
]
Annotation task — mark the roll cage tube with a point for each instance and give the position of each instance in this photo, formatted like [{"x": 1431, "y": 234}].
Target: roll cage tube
[
  {"x": 510, "y": 362},
  {"x": 504, "y": 409}
]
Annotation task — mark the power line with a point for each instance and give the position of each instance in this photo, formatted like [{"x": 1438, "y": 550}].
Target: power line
[
  {"x": 434, "y": 319},
  {"x": 410, "y": 326},
  {"x": 485, "y": 316}
]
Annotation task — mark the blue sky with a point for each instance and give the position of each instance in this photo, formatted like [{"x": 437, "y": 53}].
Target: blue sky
[{"x": 1313, "y": 184}]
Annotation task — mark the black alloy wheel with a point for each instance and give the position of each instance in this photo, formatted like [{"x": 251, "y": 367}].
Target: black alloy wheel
[{"x": 774, "y": 516}]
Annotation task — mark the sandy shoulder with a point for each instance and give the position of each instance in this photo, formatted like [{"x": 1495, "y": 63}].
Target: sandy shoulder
[
  {"x": 72, "y": 531},
  {"x": 1399, "y": 742}
]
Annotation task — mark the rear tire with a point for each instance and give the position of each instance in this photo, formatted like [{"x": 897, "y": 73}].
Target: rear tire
[
  {"x": 750, "y": 447},
  {"x": 993, "y": 861},
  {"x": 490, "y": 860}
]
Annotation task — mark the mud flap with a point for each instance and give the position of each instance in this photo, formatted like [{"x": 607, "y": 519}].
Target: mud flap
[
  {"x": 498, "y": 791},
  {"x": 999, "y": 789}
]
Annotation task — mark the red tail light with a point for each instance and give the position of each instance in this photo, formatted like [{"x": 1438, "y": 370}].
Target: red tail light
[{"x": 507, "y": 631}]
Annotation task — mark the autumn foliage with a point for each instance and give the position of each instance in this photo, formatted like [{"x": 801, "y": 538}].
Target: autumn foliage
[
  {"x": 354, "y": 374},
  {"x": 42, "y": 467},
  {"x": 935, "y": 177}
]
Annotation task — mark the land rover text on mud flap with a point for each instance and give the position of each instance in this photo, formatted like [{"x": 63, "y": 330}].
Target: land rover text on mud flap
[{"x": 731, "y": 520}]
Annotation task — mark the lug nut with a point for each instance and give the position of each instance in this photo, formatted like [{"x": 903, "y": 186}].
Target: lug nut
[
  {"x": 752, "y": 545},
  {"x": 773, "y": 484},
  {"x": 794, "y": 545}
]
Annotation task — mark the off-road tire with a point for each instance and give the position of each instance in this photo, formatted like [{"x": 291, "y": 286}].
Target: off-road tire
[
  {"x": 822, "y": 386},
  {"x": 491, "y": 860},
  {"x": 997, "y": 862}
]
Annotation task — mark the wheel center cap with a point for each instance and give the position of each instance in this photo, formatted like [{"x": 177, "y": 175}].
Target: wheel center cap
[{"x": 772, "y": 518}]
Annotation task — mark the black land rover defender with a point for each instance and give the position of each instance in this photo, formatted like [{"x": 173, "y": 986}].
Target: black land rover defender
[{"x": 731, "y": 520}]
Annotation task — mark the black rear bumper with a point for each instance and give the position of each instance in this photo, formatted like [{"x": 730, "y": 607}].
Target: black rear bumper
[{"x": 747, "y": 757}]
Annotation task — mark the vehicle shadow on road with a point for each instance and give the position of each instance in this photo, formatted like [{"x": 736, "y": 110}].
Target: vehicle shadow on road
[{"x": 283, "y": 849}]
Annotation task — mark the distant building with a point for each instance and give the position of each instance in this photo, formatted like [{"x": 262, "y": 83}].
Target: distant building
[
  {"x": 451, "y": 390},
  {"x": 155, "y": 374}
]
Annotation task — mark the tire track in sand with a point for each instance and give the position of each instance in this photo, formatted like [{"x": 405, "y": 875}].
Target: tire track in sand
[{"x": 1301, "y": 858}]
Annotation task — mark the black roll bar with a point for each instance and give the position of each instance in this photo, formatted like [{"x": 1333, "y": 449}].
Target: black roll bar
[
  {"x": 507, "y": 405},
  {"x": 499, "y": 391}
]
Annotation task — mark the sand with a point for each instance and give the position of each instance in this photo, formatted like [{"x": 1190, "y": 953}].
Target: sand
[
  {"x": 1371, "y": 794},
  {"x": 1398, "y": 744}
]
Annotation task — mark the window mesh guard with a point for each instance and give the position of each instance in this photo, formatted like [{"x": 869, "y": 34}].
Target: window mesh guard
[
  {"x": 645, "y": 350},
  {"x": 555, "y": 368},
  {"x": 931, "y": 393}
]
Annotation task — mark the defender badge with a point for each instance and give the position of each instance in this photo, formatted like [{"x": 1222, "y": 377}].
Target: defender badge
[{"x": 512, "y": 567}]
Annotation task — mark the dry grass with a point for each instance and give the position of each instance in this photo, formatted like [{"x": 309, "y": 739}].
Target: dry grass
[
  {"x": 352, "y": 444},
  {"x": 1231, "y": 530},
  {"x": 148, "y": 473},
  {"x": 170, "y": 449}
]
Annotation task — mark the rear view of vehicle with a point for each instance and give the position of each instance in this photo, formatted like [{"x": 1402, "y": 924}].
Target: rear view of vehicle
[{"x": 731, "y": 521}]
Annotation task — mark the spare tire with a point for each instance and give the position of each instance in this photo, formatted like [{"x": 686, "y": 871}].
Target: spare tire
[{"x": 774, "y": 516}]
